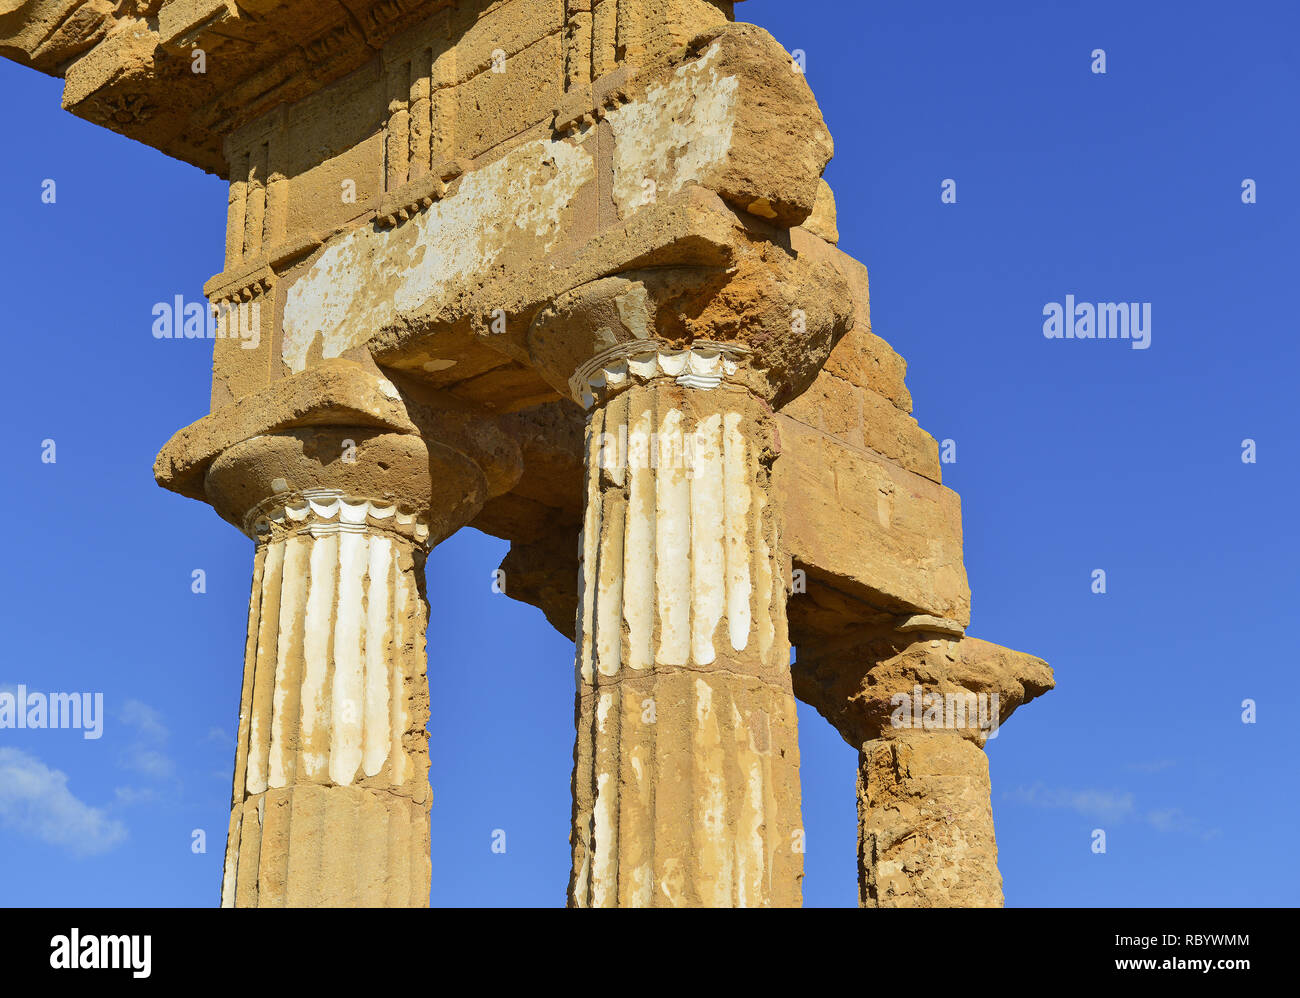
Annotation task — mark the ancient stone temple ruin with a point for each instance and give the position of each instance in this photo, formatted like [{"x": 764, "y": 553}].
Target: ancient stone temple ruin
[{"x": 564, "y": 271}]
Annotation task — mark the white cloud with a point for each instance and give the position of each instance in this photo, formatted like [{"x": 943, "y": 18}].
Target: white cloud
[
  {"x": 1108, "y": 805},
  {"x": 1175, "y": 819},
  {"x": 1112, "y": 806},
  {"x": 127, "y": 796},
  {"x": 148, "y": 762},
  {"x": 35, "y": 801},
  {"x": 144, "y": 719},
  {"x": 145, "y": 754}
]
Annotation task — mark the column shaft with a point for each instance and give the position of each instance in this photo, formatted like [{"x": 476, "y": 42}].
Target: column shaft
[
  {"x": 925, "y": 823},
  {"x": 331, "y": 794},
  {"x": 686, "y": 789}
]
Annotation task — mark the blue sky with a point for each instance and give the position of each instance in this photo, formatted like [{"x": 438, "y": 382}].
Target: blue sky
[{"x": 1072, "y": 455}]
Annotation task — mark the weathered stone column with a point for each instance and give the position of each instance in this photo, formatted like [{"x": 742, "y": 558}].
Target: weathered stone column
[
  {"x": 920, "y": 702},
  {"x": 686, "y": 786},
  {"x": 925, "y": 823},
  {"x": 331, "y": 794}
]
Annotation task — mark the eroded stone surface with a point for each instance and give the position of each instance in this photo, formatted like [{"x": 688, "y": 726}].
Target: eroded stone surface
[{"x": 926, "y": 824}]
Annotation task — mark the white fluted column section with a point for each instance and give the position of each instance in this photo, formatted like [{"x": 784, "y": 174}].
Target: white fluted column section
[
  {"x": 331, "y": 794},
  {"x": 686, "y": 789}
]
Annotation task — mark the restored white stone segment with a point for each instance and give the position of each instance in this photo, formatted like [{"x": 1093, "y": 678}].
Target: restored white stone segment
[{"x": 670, "y": 541}]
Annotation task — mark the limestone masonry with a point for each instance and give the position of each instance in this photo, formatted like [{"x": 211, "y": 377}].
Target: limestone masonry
[{"x": 565, "y": 271}]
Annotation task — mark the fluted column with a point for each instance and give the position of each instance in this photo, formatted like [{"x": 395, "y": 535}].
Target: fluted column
[
  {"x": 331, "y": 776},
  {"x": 331, "y": 794},
  {"x": 686, "y": 788}
]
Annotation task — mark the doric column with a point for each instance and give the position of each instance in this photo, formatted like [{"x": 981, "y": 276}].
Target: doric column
[
  {"x": 331, "y": 795},
  {"x": 920, "y": 702},
  {"x": 686, "y": 786},
  {"x": 925, "y": 823}
]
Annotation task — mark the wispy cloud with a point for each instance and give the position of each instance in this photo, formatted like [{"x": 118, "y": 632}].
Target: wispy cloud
[
  {"x": 1102, "y": 805},
  {"x": 35, "y": 801},
  {"x": 1155, "y": 766},
  {"x": 1175, "y": 819},
  {"x": 147, "y": 762},
  {"x": 147, "y": 721},
  {"x": 126, "y": 796},
  {"x": 146, "y": 753},
  {"x": 1112, "y": 806}
]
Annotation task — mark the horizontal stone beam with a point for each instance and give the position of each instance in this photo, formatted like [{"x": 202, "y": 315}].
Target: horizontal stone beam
[{"x": 870, "y": 527}]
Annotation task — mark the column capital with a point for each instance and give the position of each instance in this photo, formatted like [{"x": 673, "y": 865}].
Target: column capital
[
  {"x": 889, "y": 681},
  {"x": 320, "y": 512},
  {"x": 325, "y": 479},
  {"x": 765, "y": 323},
  {"x": 703, "y": 364}
]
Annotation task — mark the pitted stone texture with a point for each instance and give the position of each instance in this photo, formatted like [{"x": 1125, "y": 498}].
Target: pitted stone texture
[
  {"x": 482, "y": 195},
  {"x": 924, "y": 816},
  {"x": 735, "y": 80},
  {"x": 864, "y": 419},
  {"x": 773, "y": 317},
  {"x": 853, "y": 684},
  {"x": 876, "y": 531},
  {"x": 926, "y": 824},
  {"x": 861, "y": 357}
]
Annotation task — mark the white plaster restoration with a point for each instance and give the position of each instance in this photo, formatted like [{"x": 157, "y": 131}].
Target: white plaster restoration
[
  {"x": 676, "y": 540},
  {"x": 589, "y": 542},
  {"x": 263, "y": 662},
  {"x": 740, "y": 550},
  {"x": 639, "y": 570},
  {"x": 604, "y": 821},
  {"x": 232, "y": 862},
  {"x": 327, "y": 673},
  {"x": 377, "y": 720},
  {"x": 708, "y": 570},
  {"x": 315, "y": 701},
  {"x": 676, "y": 134},
  {"x": 288, "y": 676},
  {"x": 320, "y": 512},
  {"x": 349, "y": 669},
  {"x": 703, "y": 365},
  {"x": 609, "y": 598},
  {"x": 367, "y": 276},
  {"x": 672, "y": 547}
]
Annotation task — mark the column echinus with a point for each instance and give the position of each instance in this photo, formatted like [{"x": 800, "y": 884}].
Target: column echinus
[
  {"x": 331, "y": 794},
  {"x": 686, "y": 763}
]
